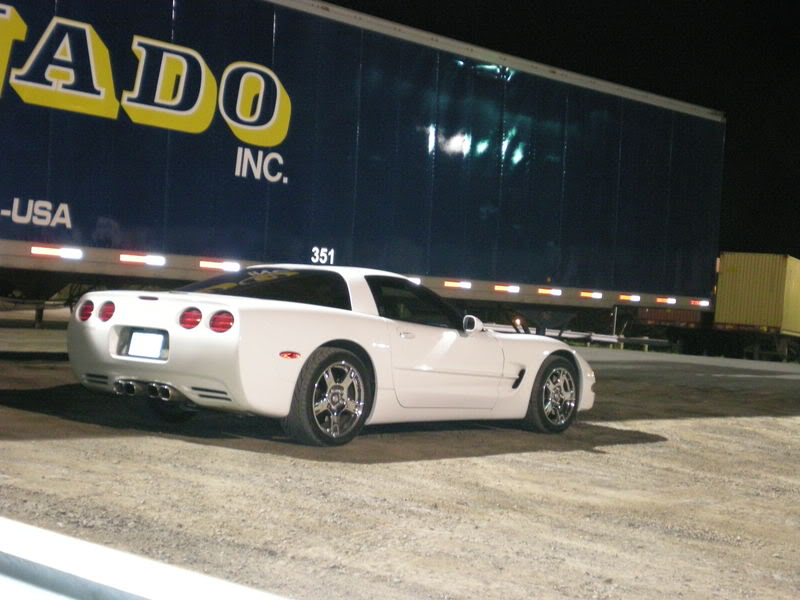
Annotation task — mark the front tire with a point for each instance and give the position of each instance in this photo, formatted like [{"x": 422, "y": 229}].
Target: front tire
[
  {"x": 554, "y": 398},
  {"x": 332, "y": 398}
]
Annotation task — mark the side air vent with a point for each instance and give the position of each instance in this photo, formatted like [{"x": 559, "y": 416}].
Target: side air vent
[
  {"x": 212, "y": 394},
  {"x": 518, "y": 380},
  {"x": 96, "y": 378}
]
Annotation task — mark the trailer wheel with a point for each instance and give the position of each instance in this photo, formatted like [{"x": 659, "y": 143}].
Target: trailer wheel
[
  {"x": 332, "y": 398},
  {"x": 554, "y": 398}
]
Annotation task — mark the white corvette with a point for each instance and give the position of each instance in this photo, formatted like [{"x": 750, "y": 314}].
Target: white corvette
[{"x": 324, "y": 349}]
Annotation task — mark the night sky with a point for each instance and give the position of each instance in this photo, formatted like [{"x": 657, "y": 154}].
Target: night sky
[{"x": 742, "y": 61}]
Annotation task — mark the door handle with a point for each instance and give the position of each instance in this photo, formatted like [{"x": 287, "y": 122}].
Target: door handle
[{"x": 406, "y": 334}]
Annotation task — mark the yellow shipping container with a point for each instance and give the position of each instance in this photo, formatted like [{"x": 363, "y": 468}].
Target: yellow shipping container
[{"x": 759, "y": 292}]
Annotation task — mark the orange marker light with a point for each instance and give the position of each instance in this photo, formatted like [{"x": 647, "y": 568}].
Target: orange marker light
[
  {"x": 549, "y": 291},
  {"x": 464, "y": 285},
  {"x": 509, "y": 289},
  {"x": 221, "y": 265},
  {"x": 68, "y": 253},
  {"x": 143, "y": 259}
]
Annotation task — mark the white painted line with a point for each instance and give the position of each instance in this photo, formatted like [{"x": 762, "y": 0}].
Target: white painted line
[
  {"x": 64, "y": 566},
  {"x": 18, "y": 590},
  {"x": 752, "y": 376}
]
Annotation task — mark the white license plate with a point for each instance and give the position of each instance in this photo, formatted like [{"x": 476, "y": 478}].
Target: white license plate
[{"x": 146, "y": 345}]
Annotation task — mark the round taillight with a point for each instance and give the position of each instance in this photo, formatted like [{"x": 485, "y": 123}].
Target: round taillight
[
  {"x": 107, "y": 311},
  {"x": 190, "y": 318},
  {"x": 86, "y": 310},
  {"x": 221, "y": 321}
]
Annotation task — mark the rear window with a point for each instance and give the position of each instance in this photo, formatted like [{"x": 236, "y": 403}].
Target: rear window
[{"x": 322, "y": 288}]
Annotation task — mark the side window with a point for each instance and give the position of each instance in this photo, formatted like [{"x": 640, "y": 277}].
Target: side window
[{"x": 404, "y": 301}]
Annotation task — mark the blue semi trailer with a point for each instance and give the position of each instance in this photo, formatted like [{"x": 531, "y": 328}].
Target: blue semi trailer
[{"x": 165, "y": 140}]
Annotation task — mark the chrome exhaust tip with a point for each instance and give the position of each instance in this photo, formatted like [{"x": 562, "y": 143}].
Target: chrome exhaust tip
[{"x": 153, "y": 390}]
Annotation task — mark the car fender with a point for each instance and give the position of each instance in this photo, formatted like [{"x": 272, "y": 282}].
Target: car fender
[
  {"x": 268, "y": 379},
  {"x": 529, "y": 352}
]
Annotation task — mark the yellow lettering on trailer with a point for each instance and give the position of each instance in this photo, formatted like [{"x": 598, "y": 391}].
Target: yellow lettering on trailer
[
  {"x": 68, "y": 69},
  {"x": 12, "y": 28},
  {"x": 244, "y": 102},
  {"x": 174, "y": 87}
]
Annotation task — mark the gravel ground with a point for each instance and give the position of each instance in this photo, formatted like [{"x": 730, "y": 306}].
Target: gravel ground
[{"x": 682, "y": 482}]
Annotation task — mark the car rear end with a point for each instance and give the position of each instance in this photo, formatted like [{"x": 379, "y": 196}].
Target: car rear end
[{"x": 177, "y": 347}]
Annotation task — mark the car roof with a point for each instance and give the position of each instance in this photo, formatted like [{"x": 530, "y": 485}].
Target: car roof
[{"x": 345, "y": 271}]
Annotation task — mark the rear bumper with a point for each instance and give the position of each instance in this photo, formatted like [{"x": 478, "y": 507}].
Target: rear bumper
[{"x": 207, "y": 378}]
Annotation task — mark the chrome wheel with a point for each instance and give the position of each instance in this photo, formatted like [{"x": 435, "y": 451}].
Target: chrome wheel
[
  {"x": 332, "y": 398},
  {"x": 554, "y": 397},
  {"x": 559, "y": 396},
  {"x": 338, "y": 399}
]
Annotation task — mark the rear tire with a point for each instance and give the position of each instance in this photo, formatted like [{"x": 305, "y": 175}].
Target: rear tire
[
  {"x": 554, "y": 398},
  {"x": 332, "y": 398}
]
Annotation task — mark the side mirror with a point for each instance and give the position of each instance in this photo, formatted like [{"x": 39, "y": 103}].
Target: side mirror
[{"x": 472, "y": 324}]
